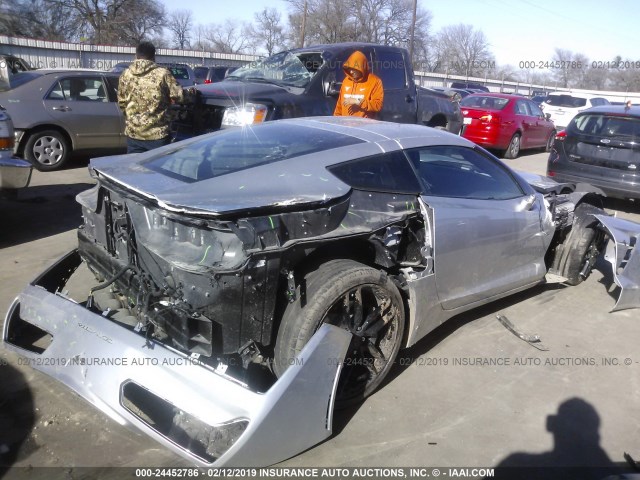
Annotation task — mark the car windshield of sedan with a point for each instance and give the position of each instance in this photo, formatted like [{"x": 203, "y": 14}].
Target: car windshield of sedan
[
  {"x": 566, "y": 101},
  {"x": 604, "y": 125},
  {"x": 487, "y": 103},
  {"x": 285, "y": 68},
  {"x": 234, "y": 150},
  {"x": 19, "y": 79}
]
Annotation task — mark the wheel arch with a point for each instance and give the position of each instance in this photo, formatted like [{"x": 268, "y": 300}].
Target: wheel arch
[
  {"x": 302, "y": 262},
  {"x": 438, "y": 120},
  {"x": 41, "y": 128}
]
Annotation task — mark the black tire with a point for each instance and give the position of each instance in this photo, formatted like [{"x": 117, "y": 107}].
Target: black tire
[
  {"x": 550, "y": 140},
  {"x": 582, "y": 246},
  {"x": 513, "y": 150},
  {"x": 47, "y": 150},
  {"x": 329, "y": 295}
]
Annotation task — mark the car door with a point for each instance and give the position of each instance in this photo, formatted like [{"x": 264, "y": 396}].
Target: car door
[
  {"x": 543, "y": 126},
  {"x": 487, "y": 230},
  {"x": 400, "y": 103},
  {"x": 527, "y": 123},
  {"x": 112, "y": 82},
  {"x": 81, "y": 104}
]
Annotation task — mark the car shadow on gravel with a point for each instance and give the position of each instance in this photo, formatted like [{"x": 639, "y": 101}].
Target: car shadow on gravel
[
  {"x": 39, "y": 212},
  {"x": 342, "y": 417},
  {"x": 17, "y": 415},
  {"x": 627, "y": 206},
  {"x": 450, "y": 326}
]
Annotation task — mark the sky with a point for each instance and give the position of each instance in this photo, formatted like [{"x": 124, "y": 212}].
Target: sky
[{"x": 518, "y": 30}]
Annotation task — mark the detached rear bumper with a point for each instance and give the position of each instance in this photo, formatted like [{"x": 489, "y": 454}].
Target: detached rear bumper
[{"x": 198, "y": 412}]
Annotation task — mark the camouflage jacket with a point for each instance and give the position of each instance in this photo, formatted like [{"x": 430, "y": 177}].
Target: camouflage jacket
[{"x": 145, "y": 92}]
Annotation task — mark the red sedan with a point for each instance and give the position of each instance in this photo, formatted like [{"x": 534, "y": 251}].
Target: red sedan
[{"x": 508, "y": 123}]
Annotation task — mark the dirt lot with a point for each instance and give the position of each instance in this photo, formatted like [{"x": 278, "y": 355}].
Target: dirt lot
[{"x": 470, "y": 394}]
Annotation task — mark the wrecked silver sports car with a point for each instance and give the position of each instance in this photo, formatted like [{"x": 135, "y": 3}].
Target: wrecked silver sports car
[{"x": 235, "y": 272}]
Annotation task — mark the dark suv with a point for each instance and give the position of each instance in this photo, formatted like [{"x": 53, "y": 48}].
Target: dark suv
[
  {"x": 600, "y": 147},
  {"x": 468, "y": 85},
  {"x": 211, "y": 74},
  {"x": 181, "y": 72}
]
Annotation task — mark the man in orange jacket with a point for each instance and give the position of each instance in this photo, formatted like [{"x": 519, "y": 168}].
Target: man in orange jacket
[{"x": 361, "y": 94}]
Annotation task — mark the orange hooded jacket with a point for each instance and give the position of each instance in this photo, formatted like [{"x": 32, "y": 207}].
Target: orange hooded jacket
[{"x": 362, "y": 97}]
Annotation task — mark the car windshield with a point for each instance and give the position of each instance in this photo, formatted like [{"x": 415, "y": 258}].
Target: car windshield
[
  {"x": 285, "y": 68},
  {"x": 566, "y": 101},
  {"x": 484, "y": 102},
  {"x": 602, "y": 125},
  {"x": 234, "y": 150}
]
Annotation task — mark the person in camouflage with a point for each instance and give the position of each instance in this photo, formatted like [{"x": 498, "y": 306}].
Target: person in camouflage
[{"x": 145, "y": 93}]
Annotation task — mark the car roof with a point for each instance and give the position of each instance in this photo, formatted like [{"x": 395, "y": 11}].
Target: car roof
[
  {"x": 298, "y": 179},
  {"x": 614, "y": 109},
  {"x": 77, "y": 71},
  {"x": 575, "y": 94},
  {"x": 340, "y": 47}
]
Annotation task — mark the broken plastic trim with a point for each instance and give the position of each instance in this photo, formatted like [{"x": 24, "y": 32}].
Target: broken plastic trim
[
  {"x": 533, "y": 340},
  {"x": 624, "y": 256},
  {"x": 303, "y": 398}
]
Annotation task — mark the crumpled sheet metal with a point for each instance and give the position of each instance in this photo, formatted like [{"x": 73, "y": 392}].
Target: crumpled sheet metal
[
  {"x": 294, "y": 414},
  {"x": 623, "y": 253}
]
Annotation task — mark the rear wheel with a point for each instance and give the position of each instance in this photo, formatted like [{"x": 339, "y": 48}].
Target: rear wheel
[
  {"x": 359, "y": 299},
  {"x": 514, "y": 147},
  {"x": 550, "y": 140},
  {"x": 582, "y": 246},
  {"x": 47, "y": 150}
]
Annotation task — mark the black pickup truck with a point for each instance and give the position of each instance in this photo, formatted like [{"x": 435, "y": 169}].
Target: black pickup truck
[{"x": 306, "y": 82}]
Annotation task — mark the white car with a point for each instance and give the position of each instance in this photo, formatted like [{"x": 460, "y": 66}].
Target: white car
[{"x": 563, "y": 106}]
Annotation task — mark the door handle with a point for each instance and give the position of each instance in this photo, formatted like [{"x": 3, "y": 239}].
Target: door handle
[
  {"x": 61, "y": 108},
  {"x": 408, "y": 98}
]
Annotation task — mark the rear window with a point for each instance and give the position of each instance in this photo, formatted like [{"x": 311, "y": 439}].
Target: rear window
[
  {"x": 603, "y": 125},
  {"x": 201, "y": 72},
  {"x": 484, "y": 102},
  {"x": 238, "y": 149},
  {"x": 179, "y": 73},
  {"x": 19, "y": 79},
  {"x": 566, "y": 101}
]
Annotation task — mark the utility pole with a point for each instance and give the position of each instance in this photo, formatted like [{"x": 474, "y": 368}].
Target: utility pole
[
  {"x": 413, "y": 29},
  {"x": 304, "y": 24}
]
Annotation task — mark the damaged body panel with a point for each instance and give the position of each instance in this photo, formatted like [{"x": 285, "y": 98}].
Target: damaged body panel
[
  {"x": 196, "y": 410},
  {"x": 237, "y": 249}
]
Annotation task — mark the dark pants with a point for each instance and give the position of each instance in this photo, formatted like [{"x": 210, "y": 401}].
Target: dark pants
[{"x": 139, "y": 146}]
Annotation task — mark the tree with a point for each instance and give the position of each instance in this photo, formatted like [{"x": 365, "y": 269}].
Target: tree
[
  {"x": 98, "y": 18},
  {"x": 23, "y": 18},
  {"x": 268, "y": 31},
  {"x": 229, "y": 37},
  {"x": 377, "y": 21},
  {"x": 118, "y": 22},
  {"x": 200, "y": 42},
  {"x": 179, "y": 24},
  {"x": 462, "y": 50},
  {"x": 145, "y": 18}
]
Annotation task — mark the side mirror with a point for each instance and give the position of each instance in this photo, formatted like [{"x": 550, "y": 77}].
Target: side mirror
[
  {"x": 547, "y": 116},
  {"x": 333, "y": 90}
]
